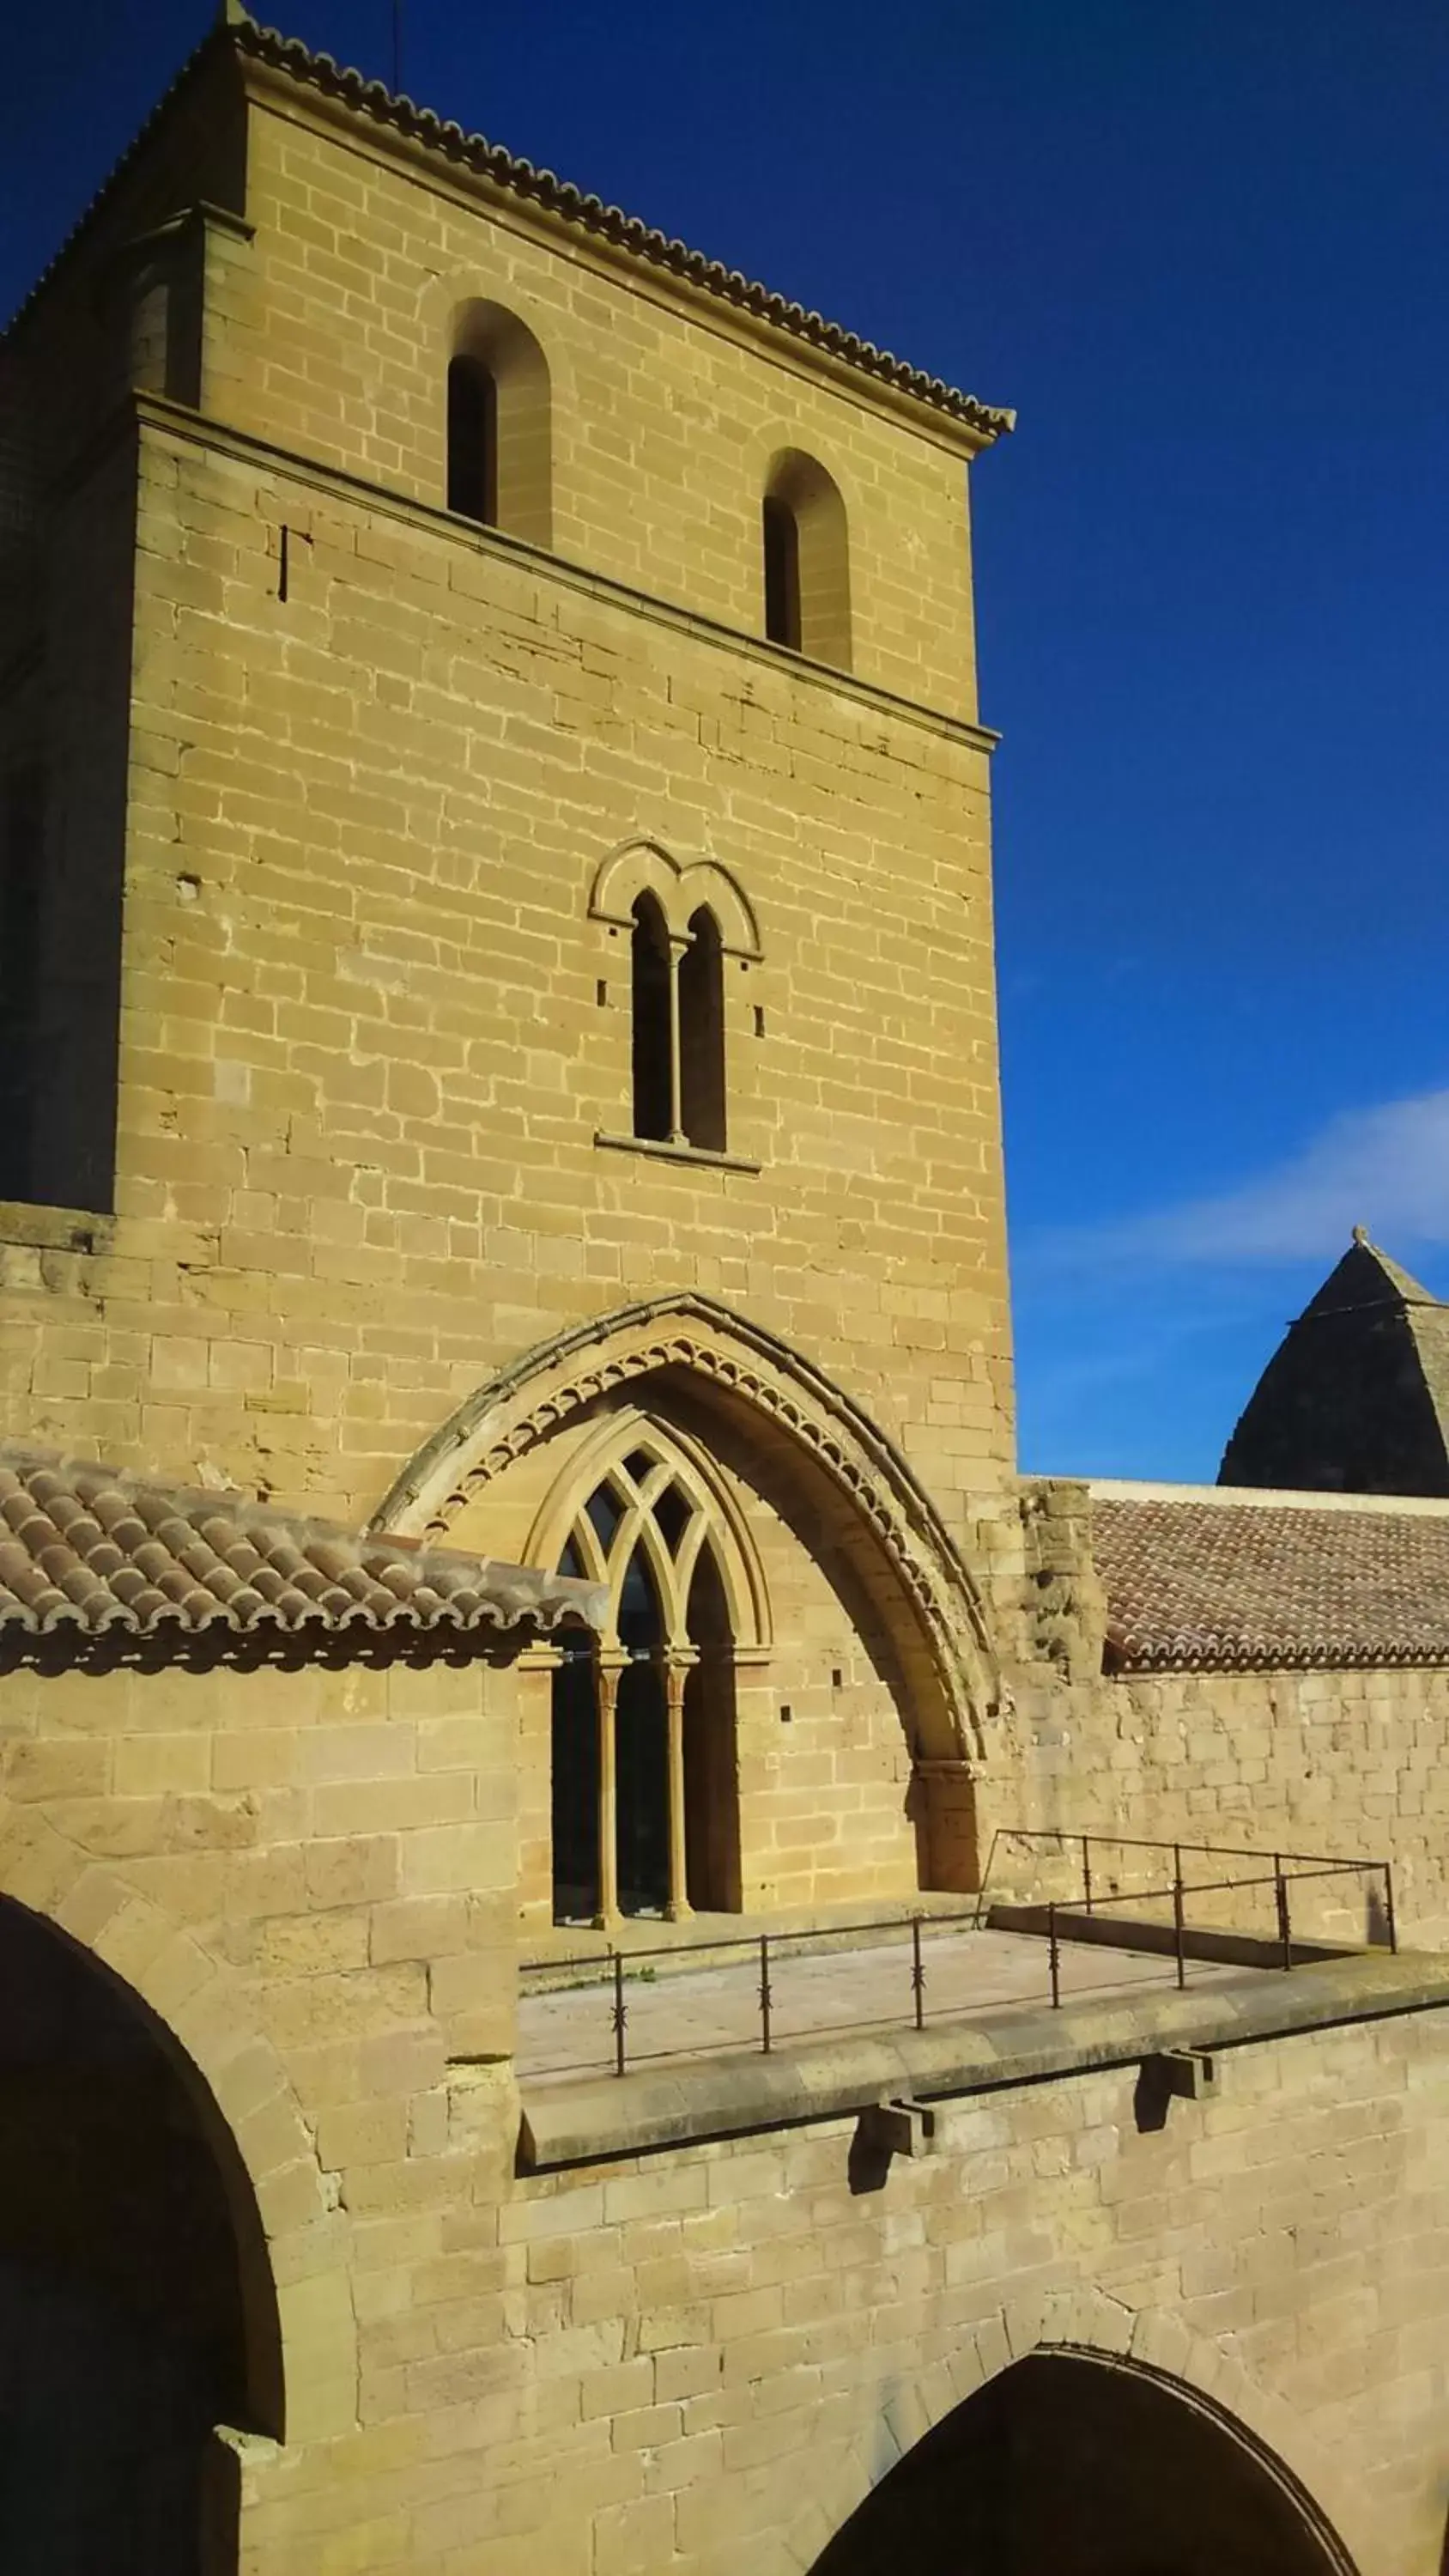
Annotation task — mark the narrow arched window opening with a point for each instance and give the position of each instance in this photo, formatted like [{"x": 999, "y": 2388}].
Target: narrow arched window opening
[
  {"x": 711, "y": 1783},
  {"x": 499, "y": 467},
  {"x": 473, "y": 441},
  {"x": 652, "y": 1037},
  {"x": 782, "y": 572},
  {"x": 701, "y": 1035},
  {"x": 806, "y": 560}
]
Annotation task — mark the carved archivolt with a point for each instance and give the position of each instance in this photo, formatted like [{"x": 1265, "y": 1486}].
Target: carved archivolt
[
  {"x": 735, "y": 1361},
  {"x": 680, "y": 889}
]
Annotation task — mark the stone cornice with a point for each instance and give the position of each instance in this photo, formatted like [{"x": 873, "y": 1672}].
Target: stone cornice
[
  {"x": 474, "y": 158},
  {"x": 263, "y": 56},
  {"x": 154, "y": 413}
]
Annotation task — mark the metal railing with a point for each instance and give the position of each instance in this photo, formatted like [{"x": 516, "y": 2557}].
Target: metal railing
[
  {"x": 616, "y": 1969},
  {"x": 620, "y": 1968},
  {"x": 1286, "y": 1870}
]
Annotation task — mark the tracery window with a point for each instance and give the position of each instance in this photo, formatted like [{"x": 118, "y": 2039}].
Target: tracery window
[{"x": 644, "y": 1792}]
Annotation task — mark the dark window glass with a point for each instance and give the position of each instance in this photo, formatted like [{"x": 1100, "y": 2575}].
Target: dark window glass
[
  {"x": 473, "y": 441},
  {"x": 605, "y": 1511},
  {"x": 641, "y": 1624},
  {"x": 701, "y": 1036},
  {"x": 782, "y": 573},
  {"x": 672, "y": 1512},
  {"x": 649, "y": 965}
]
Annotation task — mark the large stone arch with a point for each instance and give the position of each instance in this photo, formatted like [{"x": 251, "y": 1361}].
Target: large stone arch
[
  {"x": 1091, "y": 2324},
  {"x": 881, "y": 1514},
  {"x": 301, "y": 2331}
]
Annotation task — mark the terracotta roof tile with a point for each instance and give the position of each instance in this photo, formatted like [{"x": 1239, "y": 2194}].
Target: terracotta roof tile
[
  {"x": 372, "y": 98},
  {"x": 89, "y": 1553},
  {"x": 474, "y": 152},
  {"x": 1222, "y": 1586}
]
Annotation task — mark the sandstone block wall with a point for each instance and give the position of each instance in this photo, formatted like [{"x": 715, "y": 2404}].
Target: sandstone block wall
[
  {"x": 364, "y": 1050},
  {"x": 671, "y": 2361},
  {"x": 667, "y": 408},
  {"x": 1343, "y": 1763}
]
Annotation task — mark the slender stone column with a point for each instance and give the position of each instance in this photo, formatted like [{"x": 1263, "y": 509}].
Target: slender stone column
[
  {"x": 677, "y": 947},
  {"x": 606, "y": 1694},
  {"x": 674, "y": 1678}
]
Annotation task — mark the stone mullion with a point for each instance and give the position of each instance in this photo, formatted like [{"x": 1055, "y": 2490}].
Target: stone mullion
[
  {"x": 606, "y": 1696},
  {"x": 677, "y": 947},
  {"x": 675, "y": 1670}
]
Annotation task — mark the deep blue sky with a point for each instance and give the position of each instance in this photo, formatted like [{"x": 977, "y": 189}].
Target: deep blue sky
[{"x": 1202, "y": 246}]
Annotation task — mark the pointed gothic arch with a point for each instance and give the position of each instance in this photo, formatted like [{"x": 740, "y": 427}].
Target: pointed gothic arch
[
  {"x": 1091, "y": 2326},
  {"x": 674, "y": 1462},
  {"x": 849, "y": 1480},
  {"x": 644, "y": 1793}
]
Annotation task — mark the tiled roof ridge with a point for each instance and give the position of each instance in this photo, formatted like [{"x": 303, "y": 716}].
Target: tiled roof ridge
[
  {"x": 88, "y": 1551},
  {"x": 1198, "y": 1586},
  {"x": 627, "y": 232},
  {"x": 245, "y": 34}
]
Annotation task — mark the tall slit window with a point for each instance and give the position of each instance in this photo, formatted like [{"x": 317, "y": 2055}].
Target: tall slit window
[
  {"x": 651, "y": 983},
  {"x": 806, "y": 560},
  {"x": 782, "y": 572},
  {"x": 473, "y": 441},
  {"x": 701, "y": 1035},
  {"x": 499, "y": 465}
]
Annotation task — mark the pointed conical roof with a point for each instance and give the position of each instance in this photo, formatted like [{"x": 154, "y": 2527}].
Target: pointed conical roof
[
  {"x": 1366, "y": 1277},
  {"x": 1356, "y": 1398}
]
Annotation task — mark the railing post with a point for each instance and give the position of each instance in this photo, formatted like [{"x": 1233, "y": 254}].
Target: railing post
[
  {"x": 1054, "y": 1956},
  {"x": 1179, "y": 1943},
  {"x": 918, "y": 1973},
  {"x": 1086, "y": 1875},
  {"x": 1389, "y": 1914},
  {"x": 620, "y": 2014},
  {"x": 765, "y": 1992},
  {"x": 1285, "y": 1929}
]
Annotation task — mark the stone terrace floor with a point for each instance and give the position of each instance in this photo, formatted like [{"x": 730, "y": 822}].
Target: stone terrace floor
[{"x": 682, "y": 2012}]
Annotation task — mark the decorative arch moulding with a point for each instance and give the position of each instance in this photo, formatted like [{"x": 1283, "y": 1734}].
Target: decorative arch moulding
[
  {"x": 701, "y": 1339},
  {"x": 681, "y": 888}
]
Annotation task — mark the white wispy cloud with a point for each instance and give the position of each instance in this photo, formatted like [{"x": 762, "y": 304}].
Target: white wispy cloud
[{"x": 1385, "y": 1167}]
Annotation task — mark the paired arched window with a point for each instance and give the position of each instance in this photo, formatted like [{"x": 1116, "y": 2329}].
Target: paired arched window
[
  {"x": 677, "y": 1032},
  {"x": 806, "y": 560},
  {"x": 498, "y": 430},
  {"x": 644, "y": 1794},
  {"x": 688, "y": 925}
]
